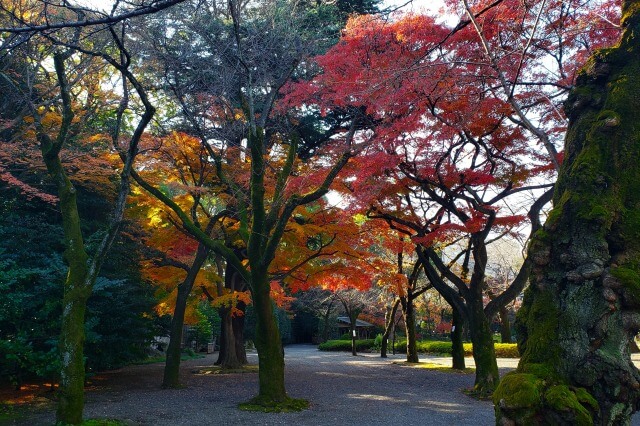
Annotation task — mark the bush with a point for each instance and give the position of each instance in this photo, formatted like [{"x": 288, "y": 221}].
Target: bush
[
  {"x": 435, "y": 347},
  {"x": 345, "y": 345},
  {"x": 507, "y": 350}
]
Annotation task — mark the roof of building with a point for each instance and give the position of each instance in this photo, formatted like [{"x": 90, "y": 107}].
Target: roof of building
[{"x": 359, "y": 323}]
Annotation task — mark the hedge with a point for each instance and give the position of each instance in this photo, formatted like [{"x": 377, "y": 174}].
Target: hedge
[
  {"x": 503, "y": 350},
  {"x": 345, "y": 345}
]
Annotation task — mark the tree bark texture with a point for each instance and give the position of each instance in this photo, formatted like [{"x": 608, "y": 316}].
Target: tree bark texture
[
  {"x": 582, "y": 307},
  {"x": 484, "y": 354},
  {"x": 268, "y": 343}
]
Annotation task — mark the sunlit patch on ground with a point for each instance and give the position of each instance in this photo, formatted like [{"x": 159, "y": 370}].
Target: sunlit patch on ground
[
  {"x": 435, "y": 367},
  {"x": 251, "y": 368}
]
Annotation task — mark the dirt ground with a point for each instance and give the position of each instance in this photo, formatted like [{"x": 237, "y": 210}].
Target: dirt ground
[{"x": 342, "y": 389}]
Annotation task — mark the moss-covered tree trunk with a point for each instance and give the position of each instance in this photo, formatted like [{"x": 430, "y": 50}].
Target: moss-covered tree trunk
[
  {"x": 582, "y": 307},
  {"x": 484, "y": 355},
  {"x": 268, "y": 344},
  {"x": 457, "y": 348},
  {"x": 171, "y": 378},
  {"x": 409, "y": 317}
]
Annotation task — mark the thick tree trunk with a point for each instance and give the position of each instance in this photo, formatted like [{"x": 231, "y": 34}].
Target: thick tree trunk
[
  {"x": 408, "y": 314},
  {"x": 268, "y": 344},
  {"x": 581, "y": 308},
  {"x": 228, "y": 358},
  {"x": 484, "y": 354},
  {"x": 457, "y": 349},
  {"x": 171, "y": 377},
  {"x": 232, "y": 352},
  {"x": 391, "y": 318}
]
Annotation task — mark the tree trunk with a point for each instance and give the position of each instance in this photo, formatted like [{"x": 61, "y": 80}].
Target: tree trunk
[
  {"x": 484, "y": 354},
  {"x": 391, "y": 318},
  {"x": 232, "y": 353},
  {"x": 171, "y": 377},
  {"x": 71, "y": 395},
  {"x": 352, "y": 331},
  {"x": 77, "y": 289},
  {"x": 222, "y": 313},
  {"x": 268, "y": 344},
  {"x": 581, "y": 308},
  {"x": 325, "y": 321},
  {"x": 457, "y": 348},
  {"x": 505, "y": 325},
  {"x": 237, "y": 325},
  {"x": 408, "y": 314},
  {"x": 227, "y": 358}
]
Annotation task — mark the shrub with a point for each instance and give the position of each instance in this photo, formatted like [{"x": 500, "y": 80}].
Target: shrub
[
  {"x": 345, "y": 345},
  {"x": 507, "y": 350},
  {"x": 435, "y": 347}
]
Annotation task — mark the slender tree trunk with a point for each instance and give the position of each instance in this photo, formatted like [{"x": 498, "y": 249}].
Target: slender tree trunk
[
  {"x": 457, "y": 348},
  {"x": 171, "y": 377},
  {"x": 222, "y": 313},
  {"x": 582, "y": 306},
  {"x": 71, "y": 395},
  {"x": 484, "y": 354},
  {"x": 391, "y": 318},
  {"x": 325, "y": 322},
  {"x": 77, "y": 289},
  {"x": 268, "y": 343},
  {"x": 408, "y": 314},
  {"x": 352, "y": 331}
]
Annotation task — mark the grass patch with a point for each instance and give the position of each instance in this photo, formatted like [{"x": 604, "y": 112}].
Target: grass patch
[
  {"x": 435, "y": 367},
  {"x": 216, "y": 369},
  {"x": 290, "y": 405}
]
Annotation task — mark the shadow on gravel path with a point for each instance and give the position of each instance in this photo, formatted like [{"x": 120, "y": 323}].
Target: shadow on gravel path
[{"x": 342, "y": 389}]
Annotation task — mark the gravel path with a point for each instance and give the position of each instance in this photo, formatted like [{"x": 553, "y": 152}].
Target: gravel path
[{"x": 343, "y": 390}]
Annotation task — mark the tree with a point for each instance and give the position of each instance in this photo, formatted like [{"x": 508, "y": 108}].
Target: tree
[
  {"x": 52, "y": 137},
  {"x": 354, "y": 303},
  {"x": 580, "y": 311},
  {"x": 266, "y": 183},
  {"x": 453, "y": 134}
]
